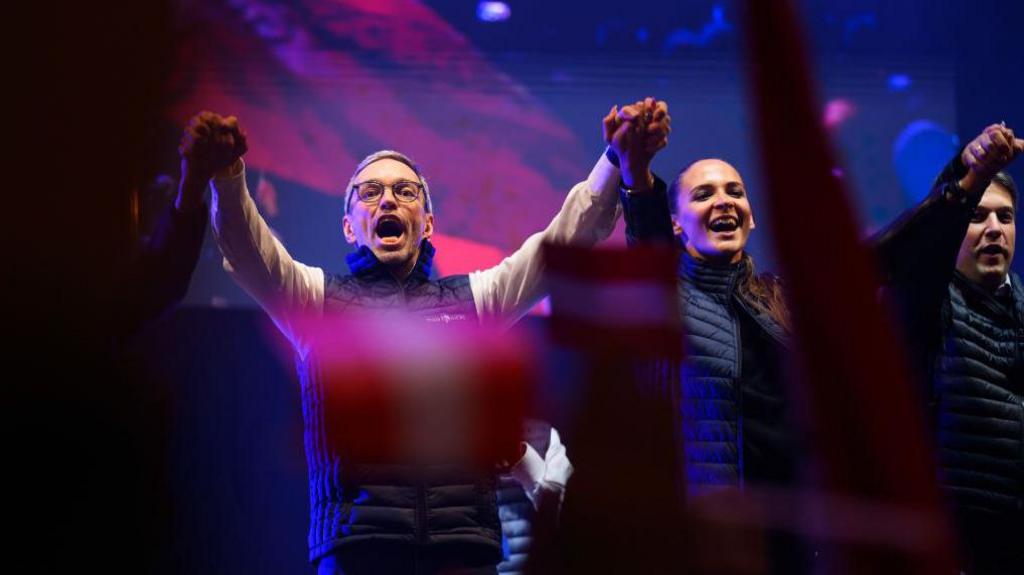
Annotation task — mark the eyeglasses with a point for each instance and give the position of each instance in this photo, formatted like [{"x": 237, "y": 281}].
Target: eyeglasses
[{"x": 371, "y": 191}]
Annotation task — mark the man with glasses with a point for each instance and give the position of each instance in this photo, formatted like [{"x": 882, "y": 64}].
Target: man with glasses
[{"x": 395, "y": 524}]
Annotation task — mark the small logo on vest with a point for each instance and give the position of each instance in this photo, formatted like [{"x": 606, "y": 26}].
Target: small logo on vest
[{"x": 446, "y": 318}]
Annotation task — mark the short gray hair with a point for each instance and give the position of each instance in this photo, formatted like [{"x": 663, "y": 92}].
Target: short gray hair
[{"x": 387, "y": 155}]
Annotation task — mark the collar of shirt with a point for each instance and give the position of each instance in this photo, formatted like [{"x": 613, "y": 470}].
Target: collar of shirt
[{"x": 1005, "y": 289}]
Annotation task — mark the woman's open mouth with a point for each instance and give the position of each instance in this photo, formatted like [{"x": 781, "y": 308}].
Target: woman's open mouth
[{"x": 724, "y": 224}]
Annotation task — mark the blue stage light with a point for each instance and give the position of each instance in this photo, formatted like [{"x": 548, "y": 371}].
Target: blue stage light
[
  {"x": 899, "y": 82},
  {"x": 716, "y": 26},
  {"x": 488, "y": 11}
]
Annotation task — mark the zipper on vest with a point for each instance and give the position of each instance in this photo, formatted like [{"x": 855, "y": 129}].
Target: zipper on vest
[
  {"x": 401, "y": 291},
  {"x": 421, "y": 511},
  {"x": 422, "y": 530},
  {"x": 739, "y": 394}
]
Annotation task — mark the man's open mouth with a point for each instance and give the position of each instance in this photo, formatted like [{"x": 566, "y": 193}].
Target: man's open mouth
[
  {"x": 389, "y": 227},
  {"x": 724, "y": 224},
  {"x": 993, "y": 249}
]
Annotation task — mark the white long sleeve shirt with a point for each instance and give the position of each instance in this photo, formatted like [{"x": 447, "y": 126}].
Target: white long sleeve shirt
[{"x": 287, "y": 289}]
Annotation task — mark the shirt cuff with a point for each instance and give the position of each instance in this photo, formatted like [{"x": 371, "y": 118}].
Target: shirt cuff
[
  {"x": 612, "y": 157},
  {"x": 603, "y": 180},
  {"x": 529, "y": 471}
]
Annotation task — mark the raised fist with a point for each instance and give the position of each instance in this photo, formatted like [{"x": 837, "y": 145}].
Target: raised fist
[
  {"x": 209, "y": 145},
  {"x": 635, "y": 133},
  {"x": 639, "y": 129},
  {"x": 992, "y": 151}
]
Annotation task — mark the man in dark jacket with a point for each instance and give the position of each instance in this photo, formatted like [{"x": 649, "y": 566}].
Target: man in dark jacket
[
  {"x": 388, "y": 519},
  {"x": 948, "y": 266}
]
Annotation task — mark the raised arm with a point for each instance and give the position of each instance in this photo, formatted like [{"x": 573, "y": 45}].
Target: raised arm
[
  {"x": 159, "y": 278},
  {"x": 212, "y": 149},
  {"x": 504, "y": 293},
  {"x": 634, "y": 136},
  {"x": 917, "y": 253},
  {"x": 919, "y": 248}
]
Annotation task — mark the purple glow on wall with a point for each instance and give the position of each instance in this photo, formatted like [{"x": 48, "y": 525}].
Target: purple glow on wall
[{"x": 837, "y": 111}]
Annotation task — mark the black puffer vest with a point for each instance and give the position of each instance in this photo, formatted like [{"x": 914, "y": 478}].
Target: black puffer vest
[
  {"x": 731, "y": 404},
  {"x": 515, "y": 509},
  {"x": 715, "y": 404},
  {"x": 978, "y": 394},
  {"x": 352, "y": 501}
]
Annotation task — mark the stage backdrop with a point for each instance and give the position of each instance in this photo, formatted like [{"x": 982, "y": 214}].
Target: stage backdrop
[{"x": 502, "y": 108}]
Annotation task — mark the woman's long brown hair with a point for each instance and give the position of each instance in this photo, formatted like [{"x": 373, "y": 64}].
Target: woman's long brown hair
[{"x": 764, "y": 293}]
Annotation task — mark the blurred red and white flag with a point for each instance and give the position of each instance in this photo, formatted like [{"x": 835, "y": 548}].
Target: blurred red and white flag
[
  {"x": 619, "y": 300},
  {"x": 400, "y": 389},
  {"x": 864, "y": 416},
  {"x": 614, "y": 307}
]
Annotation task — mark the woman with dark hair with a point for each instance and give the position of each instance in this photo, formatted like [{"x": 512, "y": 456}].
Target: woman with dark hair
[
  {"x": 712, "y": 219},
  {"x": 734, "y": 418}
]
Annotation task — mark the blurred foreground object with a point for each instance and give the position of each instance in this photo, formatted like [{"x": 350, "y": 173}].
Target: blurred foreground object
[
  {"x": 622, "y": 511},
  {"x": 861, "y": 410}
]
